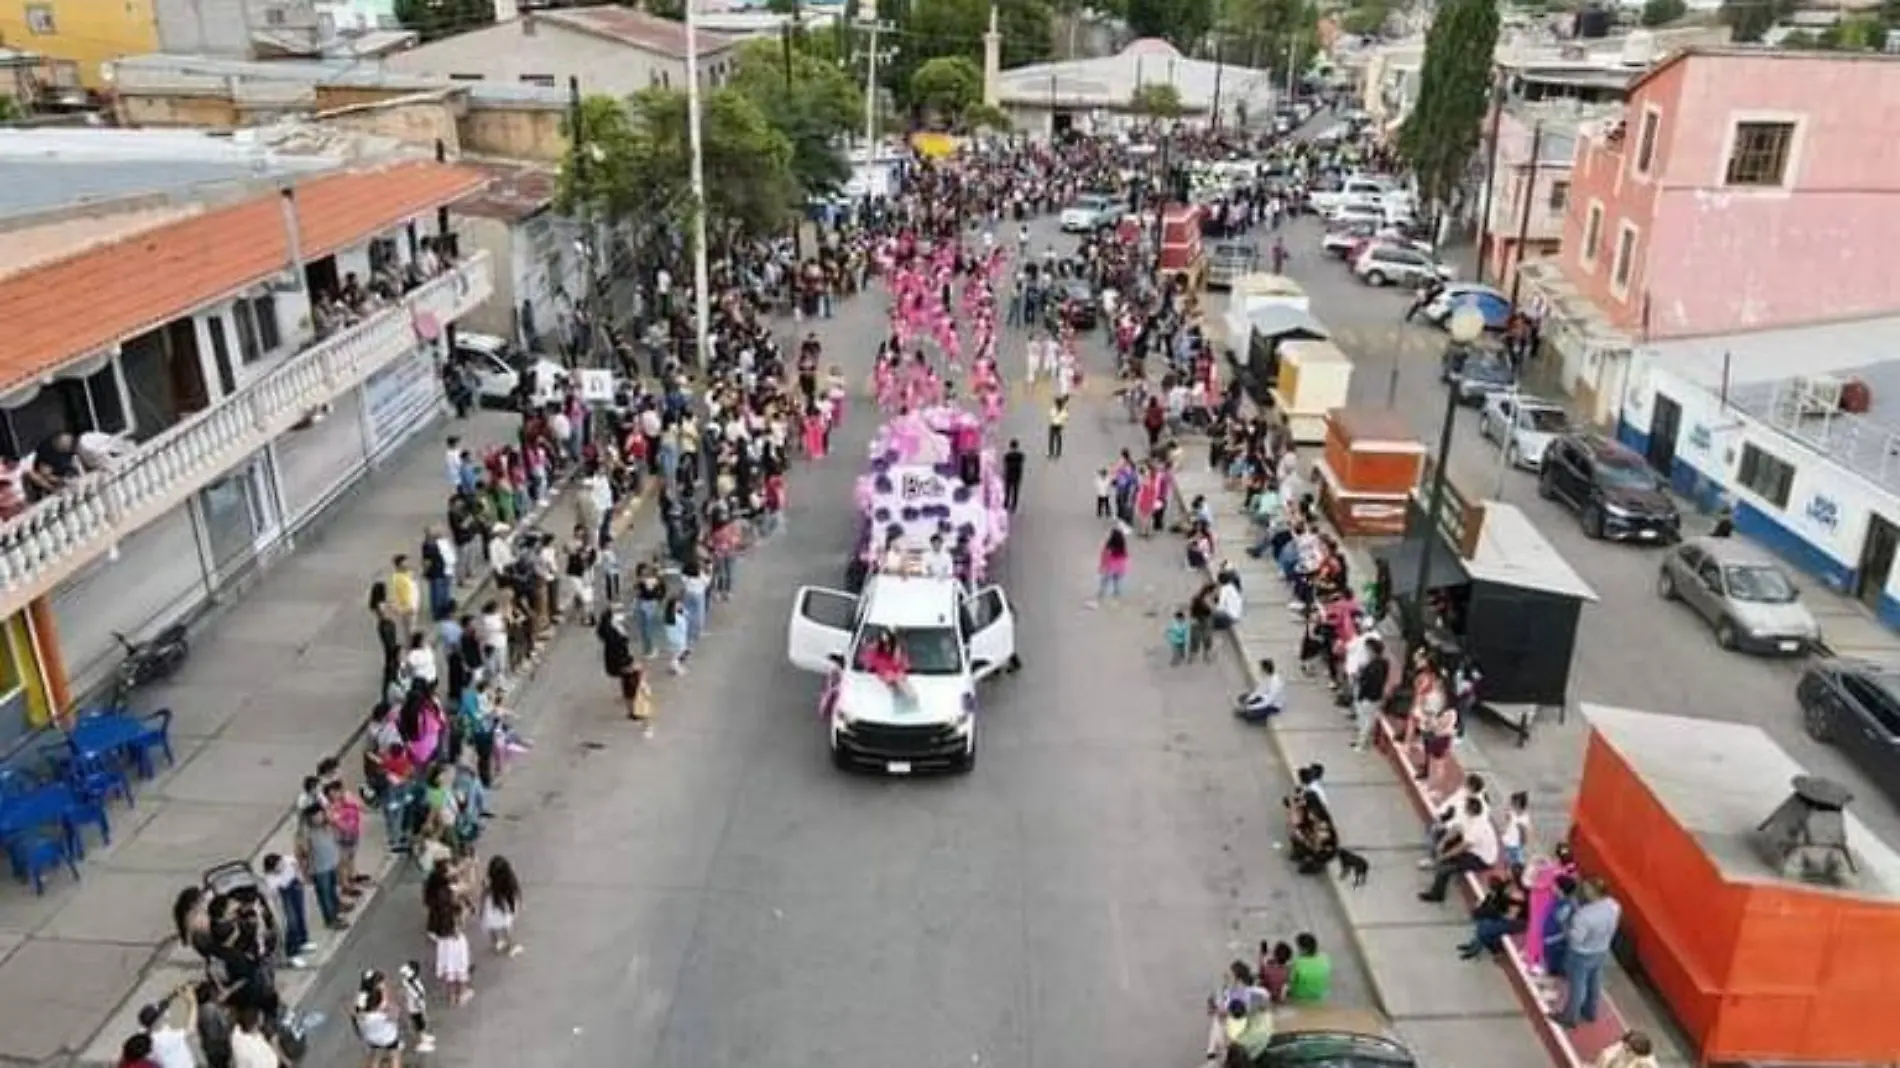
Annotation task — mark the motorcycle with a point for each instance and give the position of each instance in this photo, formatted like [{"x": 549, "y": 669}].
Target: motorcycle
[{"x": 153, "y": 660}]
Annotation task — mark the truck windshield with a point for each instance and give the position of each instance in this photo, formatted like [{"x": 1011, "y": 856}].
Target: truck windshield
[{"x": 930, "y": 650}]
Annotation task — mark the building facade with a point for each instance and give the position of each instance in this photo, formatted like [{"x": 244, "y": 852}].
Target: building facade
[
  {"x": 200, "y": 356},
  {"x": 613, "y": 50},
  {"x": 77, "y": 36},
  {"x": 1529, "y": 194},
  {"x": 1731, "y": 194}
]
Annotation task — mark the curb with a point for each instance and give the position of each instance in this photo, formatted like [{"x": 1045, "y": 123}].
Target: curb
[
  {"x": 169, "y": 952},
  {"x": 1517, "y": 973}
]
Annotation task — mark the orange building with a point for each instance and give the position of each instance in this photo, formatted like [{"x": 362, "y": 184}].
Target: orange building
[{"x": 1756, "y": 967}]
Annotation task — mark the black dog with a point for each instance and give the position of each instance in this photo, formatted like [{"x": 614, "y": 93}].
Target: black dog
[{"x": 1354, "y": 866}]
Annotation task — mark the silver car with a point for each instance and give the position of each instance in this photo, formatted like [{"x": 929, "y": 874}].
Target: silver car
[
  {"x": 1522, "y": 426},
  {"x": 1746, "y": 597}
]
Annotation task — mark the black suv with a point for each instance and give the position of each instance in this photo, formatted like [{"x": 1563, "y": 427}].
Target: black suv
[{"x": 1613, "y": 491}]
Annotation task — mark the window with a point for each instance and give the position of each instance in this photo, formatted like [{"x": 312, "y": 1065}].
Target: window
[
  {"x": 1758, "y": 155},
  {"x": 1559, "y": 196},
  {"x": 39, "y": 20},
  {"x": 256, "y": 319},
  {"x": 1625, "y": 262},
  {"x": 1646, "y": 140},
  {"x": 1768, "y": 477},
  {"x": 1592, "y": 234},
  {"x": 545, "y": 81}
]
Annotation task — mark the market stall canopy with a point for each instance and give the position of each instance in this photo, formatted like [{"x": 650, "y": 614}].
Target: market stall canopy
[
  {"x": 1279, "y": 320},
  {"x": 1512, "y": 552},
  {"x": 1404, "y": 557}
]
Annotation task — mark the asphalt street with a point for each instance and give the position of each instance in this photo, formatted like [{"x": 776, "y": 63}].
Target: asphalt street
[
  {"x": 1634, "y": 650},
  {"x": 720, "y": 895}
]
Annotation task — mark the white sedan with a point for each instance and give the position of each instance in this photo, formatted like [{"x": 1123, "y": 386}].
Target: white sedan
[{"x": 1522, "y": 426}]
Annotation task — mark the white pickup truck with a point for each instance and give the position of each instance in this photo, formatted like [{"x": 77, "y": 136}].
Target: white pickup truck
[
  {"x": 952, "y": 639},
  {"x": 1363, "y": 191}
]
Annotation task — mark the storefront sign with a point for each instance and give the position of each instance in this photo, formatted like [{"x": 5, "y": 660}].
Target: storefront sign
[
  {"x": 1700, "y": 438},
  {"x": 923, "y": 488},
  {"x": 597, "y": 385},
  {"x": 398, "y": 399}
]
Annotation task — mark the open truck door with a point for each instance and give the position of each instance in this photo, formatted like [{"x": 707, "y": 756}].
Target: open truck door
[
  {"x": 992, "y": 632},
  {"x": 820, "y": 632}
]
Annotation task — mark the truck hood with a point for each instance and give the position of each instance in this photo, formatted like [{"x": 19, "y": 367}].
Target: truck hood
[{"x": 939, "y": 699}]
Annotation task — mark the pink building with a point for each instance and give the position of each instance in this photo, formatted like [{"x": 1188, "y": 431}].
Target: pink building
[{"x": 1741, "y": 190}]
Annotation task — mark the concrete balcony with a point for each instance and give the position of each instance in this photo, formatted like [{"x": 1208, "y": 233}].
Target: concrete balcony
[{"x": 57, "y": 536}]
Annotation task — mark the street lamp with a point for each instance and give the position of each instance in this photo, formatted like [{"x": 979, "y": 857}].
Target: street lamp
[{"x": 1465, "y": 326}]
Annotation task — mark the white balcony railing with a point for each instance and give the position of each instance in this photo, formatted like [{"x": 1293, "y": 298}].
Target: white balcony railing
[{"x": 56, "y": 536}]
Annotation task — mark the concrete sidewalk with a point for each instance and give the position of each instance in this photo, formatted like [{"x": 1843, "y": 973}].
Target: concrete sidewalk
[
  {"x": 1471, "y": 1013},
  {"x": 281, "y": 680}
]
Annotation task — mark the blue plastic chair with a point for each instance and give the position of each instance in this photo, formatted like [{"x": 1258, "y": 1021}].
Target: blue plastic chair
[
  {"x": 82, "y": 812},
  {"x": 34, "y": 854},
  {"x": 156, "y": 736},
  {"x": 98, "y": 777}
]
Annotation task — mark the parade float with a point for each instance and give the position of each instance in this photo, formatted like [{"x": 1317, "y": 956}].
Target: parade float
[{"x": 930, "y": 473}]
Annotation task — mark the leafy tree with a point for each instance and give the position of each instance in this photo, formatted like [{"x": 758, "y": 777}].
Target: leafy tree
[
  {"x": 433, "y": 19},
  {"x": 1275, "y": 35},
  {"x": 928, "y": 29},
  {"x": 1749, "y": 19},
  {"x": 1183, "y": 22},
  {"x": 810, "y": 100},
  {"x": 981, "y": 116},
  {"x": 1663, "y": 12},
  {"x": 947, "y": 85},
  {"x": 1856, "y": 33},
  {"x": 1155, "y": 100},
  {"x": 668, "y": 9},
  {"x": 635, "y": 161},
  {"x": 1454, "y": 94}
]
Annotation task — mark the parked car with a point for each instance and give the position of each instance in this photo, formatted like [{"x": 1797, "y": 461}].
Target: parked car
[
  {"x": 1358, "y": 190},
  {"x": 498, "y": 366},
  {"x": 1313, "y": 1037},
  {"x": 1856, "y": 707},
  {"x": 1369, "y": 213},
  {"x": 1090, "y": 213},
  {"x": 1340, "y": 240},
  {"x": 1739, "y": 591},
  {"x": 1489, "y": 301},
  {"x": 1385, "y": 264},
  {"x": 1477, "y": 374},
  {"x": 1522, "y": 426},
  {"x": 1611, "y": 488}
]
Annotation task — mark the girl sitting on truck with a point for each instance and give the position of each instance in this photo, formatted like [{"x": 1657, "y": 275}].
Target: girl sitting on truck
[{"x": 886, "y": 659}]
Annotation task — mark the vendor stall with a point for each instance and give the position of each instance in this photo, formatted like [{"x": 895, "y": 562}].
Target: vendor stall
[
  {"x": 1499, "y": 599},
  {"x": 1370, "y": 468},
  {"x": 1255, "y": 344},
  {"x": 1312, "y": 380}
]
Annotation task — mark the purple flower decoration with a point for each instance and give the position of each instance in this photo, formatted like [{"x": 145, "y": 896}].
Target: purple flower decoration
[
  {"x": 880, "y": 465},
  {"x": 947, "y": 470},
  {"x": 890, "y": 457},
  {"x": 893, "y": 531},
  {"x": 882, "y": 483},
  {"x": 968, "y": 530},
  {"x": 909, "y": 514},
  {"x": 961, "y": 496},
  {"x": 882, "y": 515}
]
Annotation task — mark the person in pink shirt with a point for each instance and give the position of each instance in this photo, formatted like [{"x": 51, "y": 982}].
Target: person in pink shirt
[{"x": 1112, "y": 567}]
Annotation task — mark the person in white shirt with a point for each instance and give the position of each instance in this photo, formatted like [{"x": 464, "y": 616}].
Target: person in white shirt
[
  {"x": 938, "y": 563},
  {"x": 419, "y": 661},
  {"x": 501, "y": 551},
  {"x": 170, "y": 1025},
  {"x": 1229, "y": 606},
  {"x": 452, "y": 462},
  {"x": 1472, "y": 846},
  {"x": 250, "y": 1046},
  {"x": 1267, "y": 698}
]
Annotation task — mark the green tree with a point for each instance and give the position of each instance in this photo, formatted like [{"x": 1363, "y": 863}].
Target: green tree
[
  {"x": 433, "y": 19},
  {"x": 634, "y": 161},
  {"x": 1183, "y": 22},
  {"x": 981, "y": 116},
  {"x": 1454, "y": 95},
  {"x": 928, "y": 29},
  {"x": 1747, "y": 20},
  {"x": 947, "y": 85},
  {"x": 1277, "y": 35},
  {"x": 1155, "y": 100},
  {"x": 1663, "y": 12},
  {"x": 810, "y": 100}
]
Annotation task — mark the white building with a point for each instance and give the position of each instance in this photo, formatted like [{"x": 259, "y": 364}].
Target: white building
[
  {"x": 1094, "y": 94},
  {"x": 158, "y": 289},
  {"x": 611, "y": 49}
]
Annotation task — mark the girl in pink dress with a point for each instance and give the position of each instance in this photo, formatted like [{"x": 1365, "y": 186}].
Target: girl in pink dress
[
  {"x": 835, "y": 397},
  {"x": 1547, "y": 871},
  {"x": 884, "y": 383},
  {"x": 1147, "y": 493},
  {"x": 815, "y": 432}
]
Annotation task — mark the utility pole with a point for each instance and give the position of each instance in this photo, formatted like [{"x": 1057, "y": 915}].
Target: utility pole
[
  {"x": 867, "y": 10},
  {"x": 1052, "y": 108},
  {"x": 1219, "y": 67},
  {"x": 789, "y": 28},
  {"x": 1292, "y": 65},
  {"x": 702, "y": 284},
  {"x": 1524, "y": 213},
  {"x": 577, "y": 166}
]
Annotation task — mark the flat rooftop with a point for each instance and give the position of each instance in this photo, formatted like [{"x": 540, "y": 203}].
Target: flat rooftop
[
  {"x": 49, "y": 170},
  {"x": 1719, "y": 781}
]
